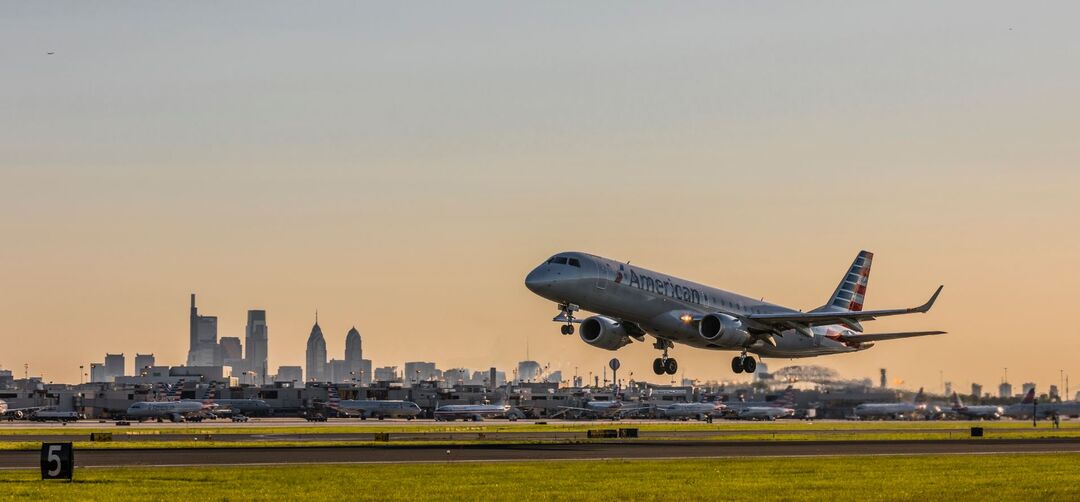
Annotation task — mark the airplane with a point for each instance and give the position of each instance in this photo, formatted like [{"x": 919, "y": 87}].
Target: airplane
[
  {"x": 892, "y": 410},
  {"x": 1043, "y": 410},
  {"x": 375, "y": 408},
  {"x": 474, "y": 412},
  {"x": 631, "y": 302},
  {"x": 18, "y": 413},
  {"x": 763, "y": 411},
  {"x": 980, "y": 411},
  {"x": 600, "y": 409},
  {"x": 247, "y": 407},
  {"x": 697, "y": 411},
  {"x": 176, "y": 411}
]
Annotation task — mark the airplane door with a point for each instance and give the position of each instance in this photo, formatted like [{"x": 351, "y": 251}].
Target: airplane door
[{"x": 603, "y": 271}]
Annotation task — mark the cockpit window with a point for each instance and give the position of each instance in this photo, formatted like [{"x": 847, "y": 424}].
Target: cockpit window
[
  {"x": 574, "y": 262},
  {"x": 560, "y": 260}
]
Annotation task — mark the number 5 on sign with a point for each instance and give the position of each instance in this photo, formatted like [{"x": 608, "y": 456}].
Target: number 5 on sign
[{"x": 57, "y": 461}]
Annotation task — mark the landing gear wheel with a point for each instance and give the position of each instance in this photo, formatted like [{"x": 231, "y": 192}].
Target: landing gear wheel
[
  {"x": 737, "y": 364},
  {"x": 749, "y": 365},
  {"x": 567, "y": 329},
  {"x": 658, "y": 366},
  {"x": 670, "y": 366}
]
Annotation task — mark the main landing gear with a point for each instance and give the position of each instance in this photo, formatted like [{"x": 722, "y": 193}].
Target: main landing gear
[
  {"x": 664, "y": 364},
  {"x": 743, "y": 363}
]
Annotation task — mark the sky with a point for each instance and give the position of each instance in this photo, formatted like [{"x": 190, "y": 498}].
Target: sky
[{"x": 401, "y": 166}]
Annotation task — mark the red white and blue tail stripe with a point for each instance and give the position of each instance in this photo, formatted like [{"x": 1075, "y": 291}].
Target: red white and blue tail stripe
[{"x": 850, "y": 294}]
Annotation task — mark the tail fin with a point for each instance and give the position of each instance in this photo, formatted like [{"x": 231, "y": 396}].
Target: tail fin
[
  {"x": 333, "y": 401},
  {"x": 787, "y": 399},
  {"x": 1030, "y": 397},
  {"x": 211, "y": 394},
  {"x": 851, "y": 292},
  {"x": 920, "y": 397},
  {"x": 178, "y": 390},
  {"x": 956, "y": 402}
]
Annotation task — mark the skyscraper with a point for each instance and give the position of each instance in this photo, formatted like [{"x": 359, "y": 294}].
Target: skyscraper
[
  {"x": 316, "y": 354},
  {"x": 203, "y": 350},
  {"x": 232, "y": 355},
  {"x": 354, "y": 351},
  {"x": 143, "y": 361},
  {"x": 257, "y": 344},
  {"x": 114, "y": 366}
]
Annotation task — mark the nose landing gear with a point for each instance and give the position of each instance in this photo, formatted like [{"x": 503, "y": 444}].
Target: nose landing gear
[
  {"x": 566, "y": 314},
  {"x": 664, "y": 364},
  {"x": 743, "y": 363}
]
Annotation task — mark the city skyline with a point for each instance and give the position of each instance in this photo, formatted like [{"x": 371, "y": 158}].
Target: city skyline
[{"x": 403, "y": 172}]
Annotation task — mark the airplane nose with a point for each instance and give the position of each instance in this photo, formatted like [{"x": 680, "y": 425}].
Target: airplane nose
[{"x": 536, "y": 281}]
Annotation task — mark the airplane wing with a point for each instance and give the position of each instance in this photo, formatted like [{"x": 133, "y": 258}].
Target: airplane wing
[
  {"x": 874, "y": 337},
  {"x": 847, "y": 318}
]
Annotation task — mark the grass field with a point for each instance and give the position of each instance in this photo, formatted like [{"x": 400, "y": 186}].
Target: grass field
[{"x": 965, "y": 477}]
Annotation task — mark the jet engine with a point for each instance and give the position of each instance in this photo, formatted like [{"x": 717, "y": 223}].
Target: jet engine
[
  {"x": 723, "y": 330},
  {"x": 604, "y": 332}
]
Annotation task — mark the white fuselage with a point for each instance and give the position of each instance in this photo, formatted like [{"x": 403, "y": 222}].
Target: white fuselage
[
  {"x": 980, "y": 411},
  {"x": 1043, "y": 410},
  {"x": 165, "y": 409},
  {"x": 660, "y": 304},
  {"x": 887, "y": 409},
  {"x": 471, "y": 411},
  {"x": 690, "y": 410},
  {"x": 380, "y": 408},
  {"x": 763, "y": 412}
]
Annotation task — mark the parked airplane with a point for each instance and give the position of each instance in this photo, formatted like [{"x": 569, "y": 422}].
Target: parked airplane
[
  {"x": 18, "y": 413},
  {"x": 600, "y": 409},
  {"x": 374, "y": 408},
  {"x": 892, "y": 410},
  {"x": 772, "y": 410},
  {"x": 475, "y": 412},
  {"x": 248, "y": 407},
  {"x": 176, "y": 411},
  {"x": 687, "y": 411},
  {"x": 1042, "y": 410},
  {"x": 978, "y": 411},
  {"x": 632, "y": 302}
]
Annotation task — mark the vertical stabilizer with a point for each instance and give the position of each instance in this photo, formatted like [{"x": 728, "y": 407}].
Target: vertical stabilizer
[{"x": 850, "y": 294}]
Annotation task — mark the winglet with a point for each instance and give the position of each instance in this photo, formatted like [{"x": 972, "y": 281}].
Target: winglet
[{"x": 930, "y": 303}]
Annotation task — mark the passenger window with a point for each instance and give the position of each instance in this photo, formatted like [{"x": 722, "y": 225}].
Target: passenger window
[
  {"x": 560, "y": 260},
  {"x": 574, "y": 262}
]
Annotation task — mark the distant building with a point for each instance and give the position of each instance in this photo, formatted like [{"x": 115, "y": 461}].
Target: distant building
[
  {"x": 884, "y": 380},
  {"x": 203, "y": 347},
  {"x": 356, "y": 369},
  {"x": 1005, "y": 390},
  {"x": 143, "y": 361},
  {"x": 554, "y": 377},
  {"x": 232, "y": 353},
  {"x": 114, "y": 366},
  {"x": 354, "y": 349},
  {"x": 1028, "y": 387},
  {"x": 1054, "y": 393},
  {"x": 97, "y": 373},
  {"x": 976, "y": 391},
  {"x": 316, "y": 355},
  {"x": 457, "y": 376},
  {"x": 529, "y": 371},
  {"x": 419, "y": 371},
  {"x": 292, "y": 374},
  {"x": 256, "y": 341},
  {"x": 386, "y": 374},
  {"x": 948, "y": 388}
]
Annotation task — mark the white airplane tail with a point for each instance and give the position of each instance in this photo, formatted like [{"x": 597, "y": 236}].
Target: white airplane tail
[
  {"x": 850, "y": 294},
  {"x": 956, "y": 402},
  {"x": 1029, "y": 398},
  {"x": 920, "y": 397}
]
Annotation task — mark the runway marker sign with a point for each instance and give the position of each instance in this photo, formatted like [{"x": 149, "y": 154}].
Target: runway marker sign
[{"x": 57, "y": 461}]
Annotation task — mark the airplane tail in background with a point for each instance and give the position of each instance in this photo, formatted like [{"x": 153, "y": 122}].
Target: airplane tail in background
[
  {"x": 1029, "y": 398},
  {"x": 787, "y": 399},
  {"x": 177, "y": 390},
  {"x": 333, "y": 401},
  {"x": 920, "y": 397},
  {"x": 956, "y": 402},
  {"x": 850, "y": 294}
]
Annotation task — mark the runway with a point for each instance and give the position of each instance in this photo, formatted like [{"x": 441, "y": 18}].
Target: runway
[{"x": 496, "y": 453}]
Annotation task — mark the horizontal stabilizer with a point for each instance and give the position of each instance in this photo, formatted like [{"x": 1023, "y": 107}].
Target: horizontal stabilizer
[{"x": 875, "y": 337}]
